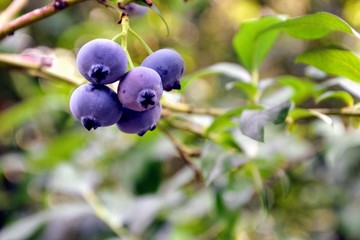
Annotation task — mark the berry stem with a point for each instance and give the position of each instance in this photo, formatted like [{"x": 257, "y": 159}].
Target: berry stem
[
  {"x": 131, "y": 64},
  {"x": 125, "y": 24},
  {"x": 141, "y": 40}
]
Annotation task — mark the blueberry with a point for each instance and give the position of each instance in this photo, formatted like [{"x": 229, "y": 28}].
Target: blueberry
[
  {"x": 169, "y": 65},
  {"x": 101, "y": 61},
  {"x": 135, "y": 10},
  {"x": 95, "y": 106},
  {"x": 140, "y": 89},
  {"x": 139, "y": 122}
]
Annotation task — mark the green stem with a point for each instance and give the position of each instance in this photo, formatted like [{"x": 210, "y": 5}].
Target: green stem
[
  {"x": 145, "y": 45},
  {"x": 255, "y": 80},
  {"x": 131, "y": 64},
  {"x": 125, "y": 24},
  {"x": 117, "y": 36}
]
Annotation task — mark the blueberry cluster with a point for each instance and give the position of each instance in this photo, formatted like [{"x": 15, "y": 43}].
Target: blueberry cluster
[{"x": 135, "y": 107}]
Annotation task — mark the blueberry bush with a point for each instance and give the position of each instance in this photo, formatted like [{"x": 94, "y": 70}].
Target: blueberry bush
[{"x": 179, "y": 119}]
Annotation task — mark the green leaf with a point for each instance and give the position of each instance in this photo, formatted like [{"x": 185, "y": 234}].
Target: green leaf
[
  {"x": 224, "y": 121},
  {"x": 227, "y": 140},
  {"x": 225, "y": 163},
  {"x": 28, "y": 110},
  {"x": 26, "y": 226},
  {"x": 313, "y": 26},
  {"x": 252, "y": 48},
  {"x": 341, "y": 95},
  {"x": 61, "y": 148},
  {"x": 249, "y": 89},
  {"x": 333, "y": 60},
  {"x": 302, "y": 88},
  {"x": 252, "y": 122}
]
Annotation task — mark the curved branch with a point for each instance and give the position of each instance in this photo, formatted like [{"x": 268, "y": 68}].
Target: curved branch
[
  {"x": 35, "y": 15},
  {"x": 184, "y": 154}
]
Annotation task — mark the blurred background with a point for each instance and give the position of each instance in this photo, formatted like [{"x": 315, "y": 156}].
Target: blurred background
[{"x": 59, "y": 181}]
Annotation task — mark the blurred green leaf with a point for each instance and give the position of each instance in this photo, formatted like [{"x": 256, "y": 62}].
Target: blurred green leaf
[
  {"x": 302, "y": 88},
  {"x": 227, "y": 140},
  {"x": 252, "y": 122},
  {"x": 340, "y": 95},
  {"x": 59, "y": 149},
  {"x": 313, "y": 26},
  {"x": 224, "y": 121},
  {"x": 226, "y": 163},
  {"x": 28, "y": 110},
  {"x": 333, "y": 60},
  {"x": 25, "y": 227},
  {"x": 252, "y": 48},
  {"x": 249, "y": 89}
]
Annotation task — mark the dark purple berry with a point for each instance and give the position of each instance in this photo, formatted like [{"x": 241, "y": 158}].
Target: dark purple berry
[
  {"x": 101, "y": 61},
  {"x": 140, "y": 89},
  {"x": 139, "y": 122},
  {"x": 169, "y": 65},
  {"x": 95, "y": 106},
  {"x": 135, "y": 10}
]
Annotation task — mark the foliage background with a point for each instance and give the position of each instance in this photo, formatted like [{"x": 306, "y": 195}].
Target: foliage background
[{"x": 58, "y": 180}]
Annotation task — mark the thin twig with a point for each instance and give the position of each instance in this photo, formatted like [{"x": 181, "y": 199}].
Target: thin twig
[
  {"x": 35, "y": 15},
  {"x": 10, "y": 12},
  {"x": 184, "y": 155}
]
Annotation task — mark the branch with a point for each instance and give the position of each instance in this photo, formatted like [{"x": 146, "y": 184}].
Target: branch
[
  {"x": 9, "y": 13},
  {"x": 184, "y": 154},
  {"x": 35, "y": 15}
]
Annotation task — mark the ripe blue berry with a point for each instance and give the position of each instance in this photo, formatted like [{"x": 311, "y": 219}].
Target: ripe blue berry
[
  {"x": 139, "y": 122},
  {"x": 140, "y": 89},
  {"x": 101, "y": 61},
  {"x": 169, "y": 65},
  {"x": 95, "y": 106},
  {"x": 135, "y": 10}
]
